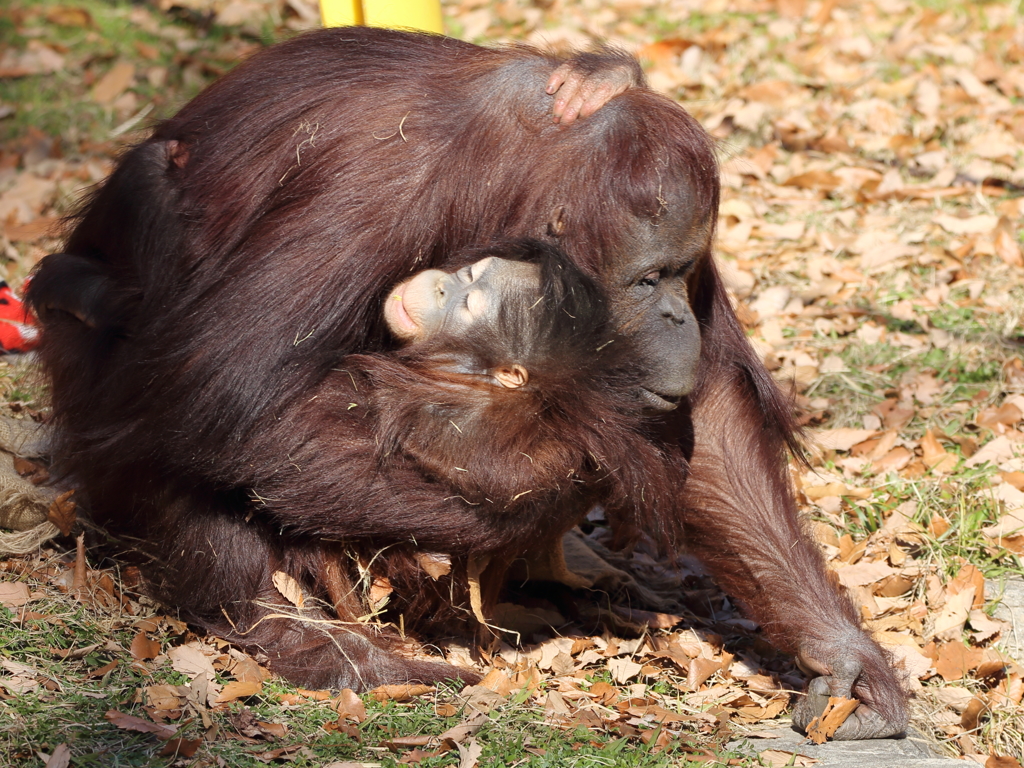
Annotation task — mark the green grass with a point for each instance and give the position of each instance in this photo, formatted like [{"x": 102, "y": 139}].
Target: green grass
[
  {"x": 73, "y": 713},
  {"x": 70, "y": 703}
]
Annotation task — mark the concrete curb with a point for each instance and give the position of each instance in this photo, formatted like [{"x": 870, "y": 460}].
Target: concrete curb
[{"x": 912, "y": 751}]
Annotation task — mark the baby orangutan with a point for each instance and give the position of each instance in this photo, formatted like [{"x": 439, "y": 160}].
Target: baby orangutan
[
  {"x": 490, "y": 299},
  {"x": 507, "y": 362}
]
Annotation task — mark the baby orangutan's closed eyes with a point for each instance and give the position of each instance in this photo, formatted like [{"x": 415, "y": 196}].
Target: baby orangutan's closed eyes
[{"x": 478, "y": 300}]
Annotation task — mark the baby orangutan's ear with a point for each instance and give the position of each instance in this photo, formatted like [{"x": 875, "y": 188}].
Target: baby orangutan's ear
[{"x": 512, "y": 376}]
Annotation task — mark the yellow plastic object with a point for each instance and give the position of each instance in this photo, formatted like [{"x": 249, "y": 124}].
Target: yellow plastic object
[
  {"x": 410, "y": 14},
  {"x": 341, "y": 13}
]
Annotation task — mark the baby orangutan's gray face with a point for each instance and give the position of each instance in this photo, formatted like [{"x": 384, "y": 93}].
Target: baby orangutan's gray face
[{"x": 433, "y": 303}]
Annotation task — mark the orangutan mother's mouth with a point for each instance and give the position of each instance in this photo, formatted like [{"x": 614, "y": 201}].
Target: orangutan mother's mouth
[{"x": 655, "y": 402}]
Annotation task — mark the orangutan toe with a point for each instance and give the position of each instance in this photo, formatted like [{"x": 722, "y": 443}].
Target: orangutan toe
[
  {"x": 863, "y": 723},
  {"x": 813, "y": 703}
]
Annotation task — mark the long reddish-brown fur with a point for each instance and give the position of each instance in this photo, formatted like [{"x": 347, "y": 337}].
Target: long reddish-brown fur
[{"x": 313, "y": 177}]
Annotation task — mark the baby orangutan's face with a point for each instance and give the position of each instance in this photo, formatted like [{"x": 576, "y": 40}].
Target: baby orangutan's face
[
  {"x": 449, "y": 305},
  {"x": 453, "y": 303}
]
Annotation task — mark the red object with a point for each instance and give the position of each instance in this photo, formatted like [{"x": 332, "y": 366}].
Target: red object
[{"x": 18, "y": 328}]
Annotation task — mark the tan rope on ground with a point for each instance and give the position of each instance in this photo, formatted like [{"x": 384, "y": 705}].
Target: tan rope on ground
[
  {"x": 23, "y": 506},
  {"x": 24, "y": 438},
  {"x": 27, "y": 541}
]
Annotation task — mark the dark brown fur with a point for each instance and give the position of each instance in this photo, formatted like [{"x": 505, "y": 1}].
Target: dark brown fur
[{"x": 314, "y": 177}]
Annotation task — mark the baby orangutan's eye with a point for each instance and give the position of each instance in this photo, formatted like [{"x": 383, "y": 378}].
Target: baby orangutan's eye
[{"x": 476, "y": 303}]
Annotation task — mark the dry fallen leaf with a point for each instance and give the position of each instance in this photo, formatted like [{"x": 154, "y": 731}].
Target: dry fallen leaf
[
  {"x": 477, "y": 698},
  {"x": 469, "y": 753},
  {"x": 650, "y": 619},
  {"x": 969, "y": 225},
  {"x": 14, "y": 594},
  {"x": 838, "y": 709},
  {"x": 1002, "y": 761},
  {"x": 969, "y": 576},
  {"x": 340, "y": 726},
  {"x": 818, "y": 179},
  {"x": 894, "y": 461},
  {"x": 191, "y": 660},
  {"x": 38, "y": 59},
  {"x": 791, "y": 9},
  {"x": 238, "y": 690},
  {"x": 246, "y": 670},
  {"x": 289, "y": 589},
  {"x": 28, "y": 233},
  {"x": 131, "y": 723},
  {"x": 435, "y": 565},
  {"x": 66, "y": 16},
  {"x": 62, "y": 512},
  {"x": 985, "y": 628},
  {"x": 972, "y": 714},
  {"x": 163, "y": 698},
  {"x": 380, "y": 592},
  {"x": 25, "y": 678},
  {"x": 663, "y": 53},
  {"x": 1006, "y": 245},
  {"x": 699, "y": 670},
  {"x": 604, "y": 693},
  {"x": 780, "y": 758},
  {"x": 623, "y": 670},
  {"x": 181, "y": 747},
  {"x": 815, "y": 492},
  {"x": 398, "y": 742},
  {"x": 1005, "y": 415},
  {"x": 954, "y": 614},
  {"x": 60, "y": 757},
  {"x": 864, "y": 573},
  {"x": 955, "y": 660},
  {"x": 247, "y": 725},
  {"x": 935, "y": 457},
  {"x": 102, "y": 670},
  {"x": 497, "y": 681},
  {"x": 459, "y": 733},
  {"x": 113, "y": 83},
  {"x": 400, "y": 692},
  {"x": 938, "y": 525},
  {"x": 143, "y": 647},
  {"x": 555, "y": 705},
  {"x": 350, "y": 706},
  {"x": 322, "y": 695},
  {"x": 842, "y": 439},
  {"x": 79, "y": 583},
  {"x": 74, "y": 653}
]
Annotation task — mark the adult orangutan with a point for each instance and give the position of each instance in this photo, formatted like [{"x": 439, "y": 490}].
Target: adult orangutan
[{"x": 249, "y": 245}]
